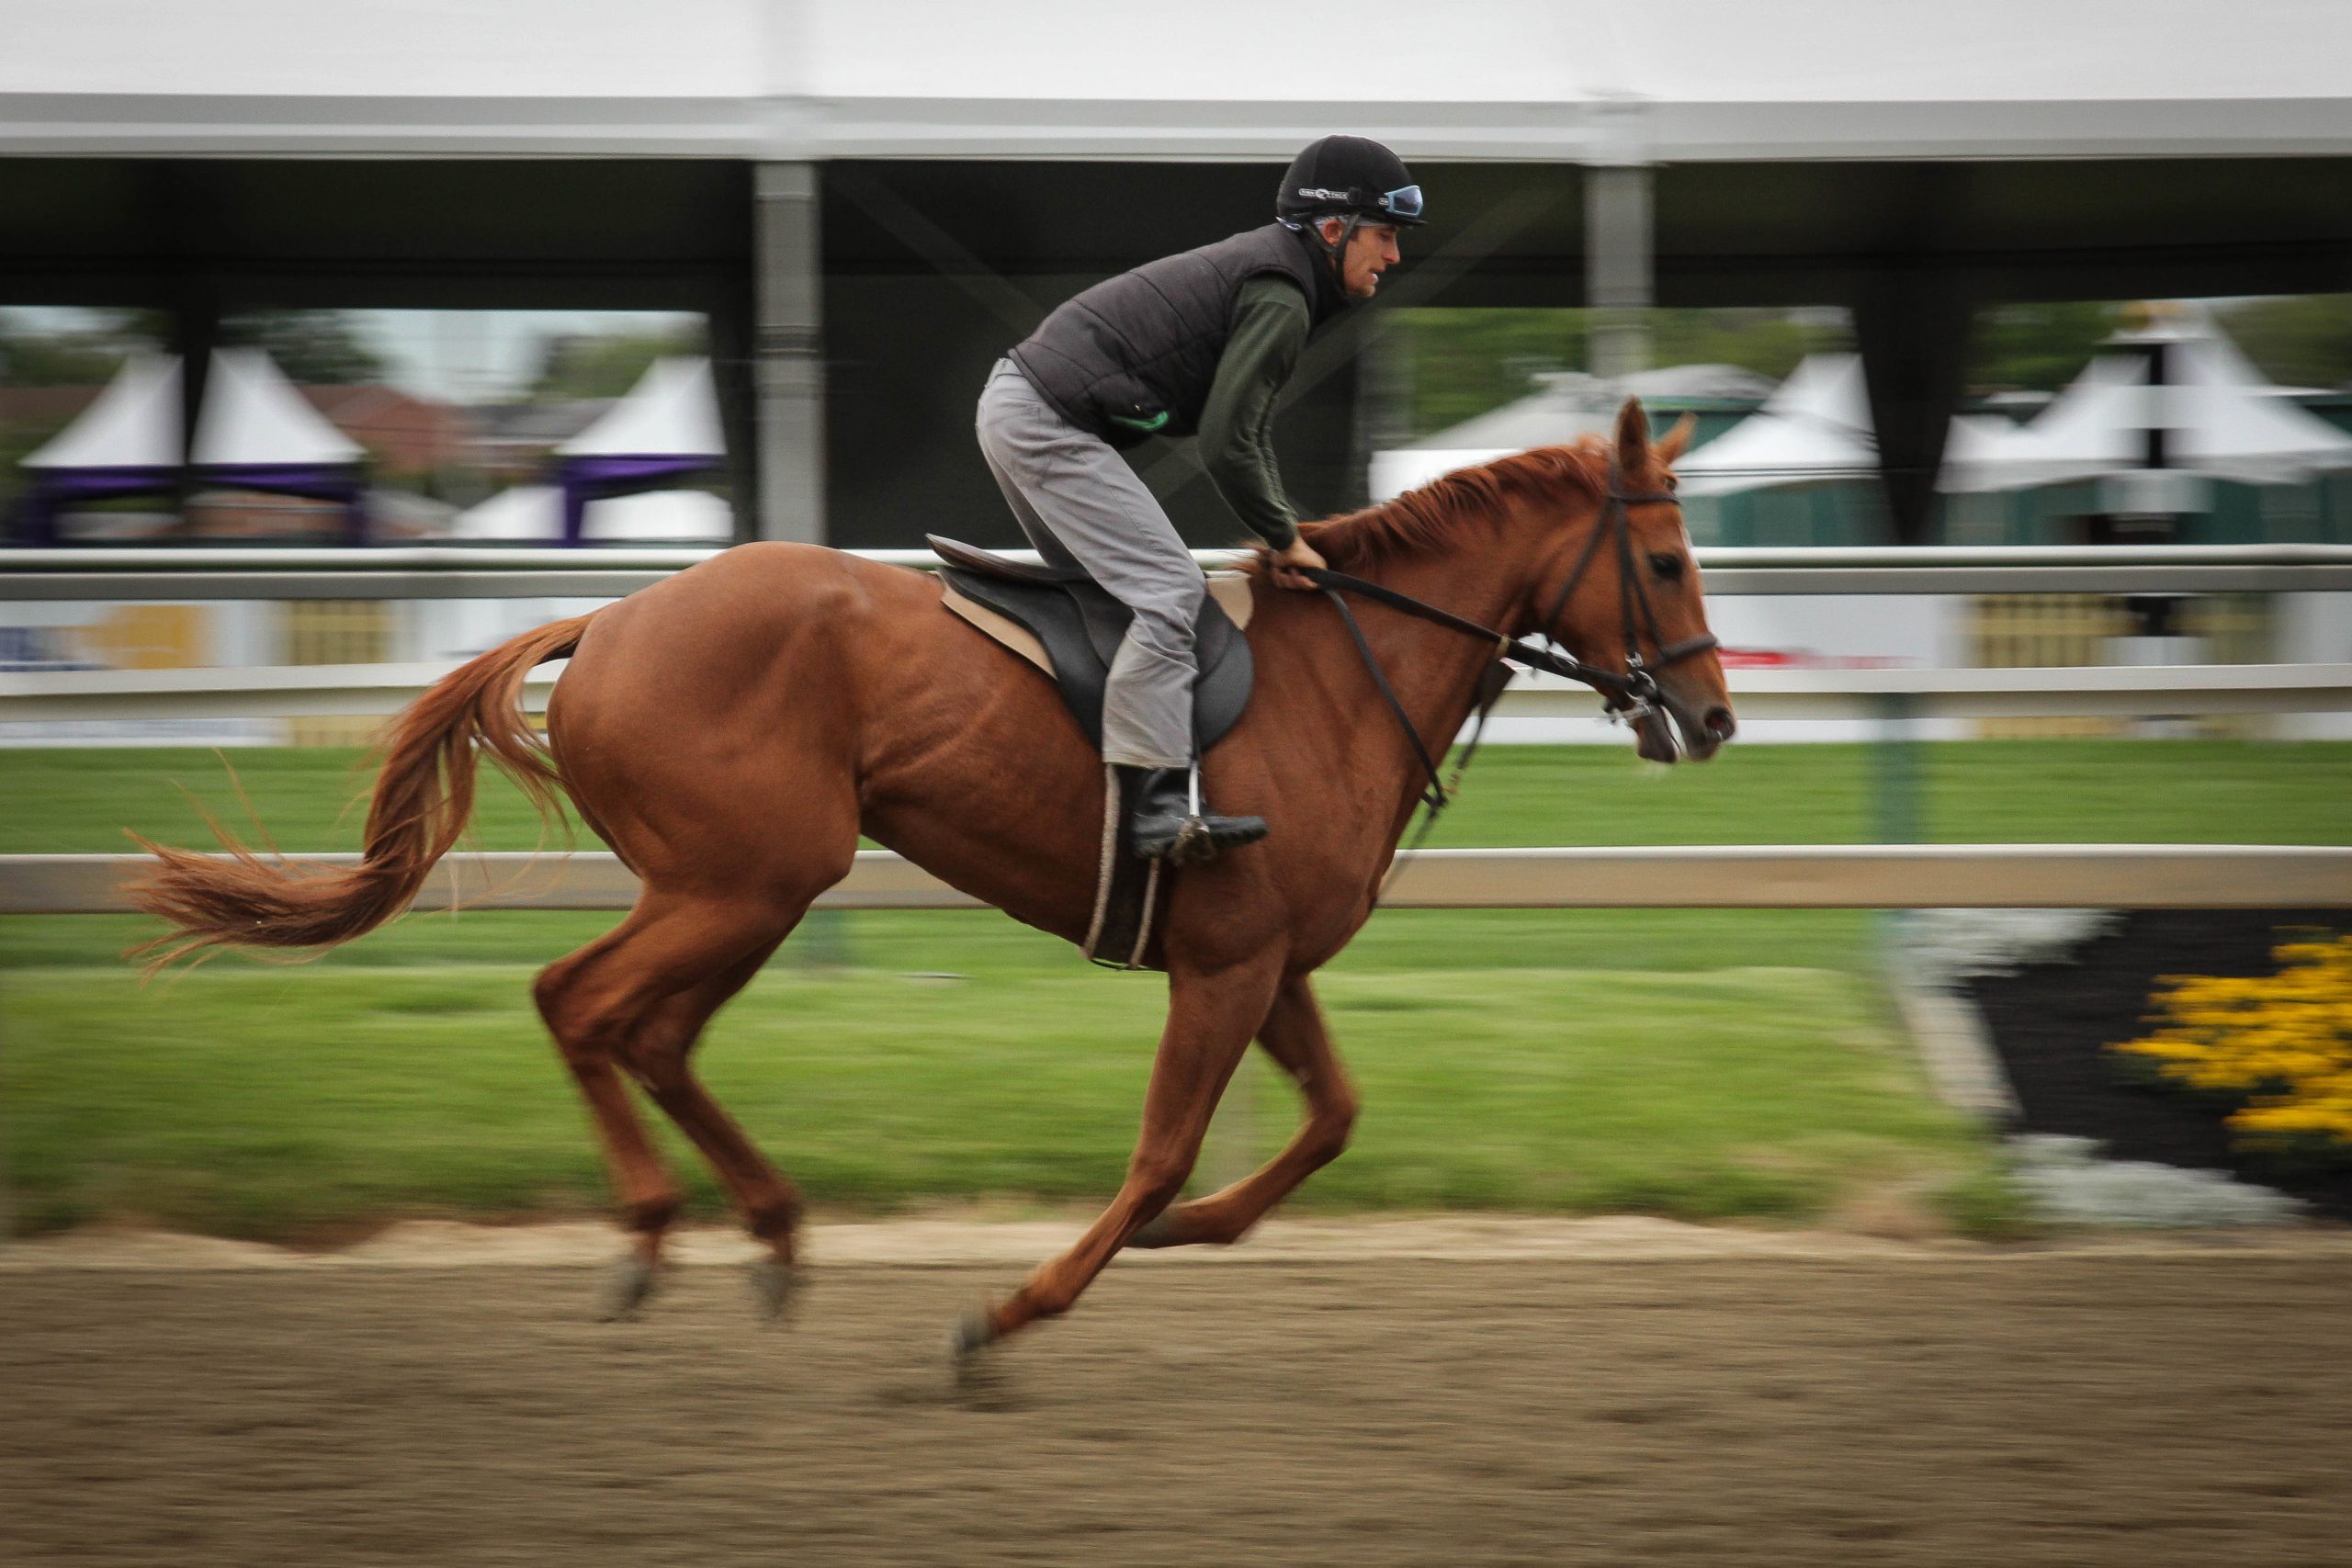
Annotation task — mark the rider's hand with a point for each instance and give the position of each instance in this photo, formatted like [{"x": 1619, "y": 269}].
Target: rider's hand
[{"x": 1298, "y": 553}]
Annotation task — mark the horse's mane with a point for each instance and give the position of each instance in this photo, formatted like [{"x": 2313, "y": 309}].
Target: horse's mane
[{"x": 1448, "y": 510}]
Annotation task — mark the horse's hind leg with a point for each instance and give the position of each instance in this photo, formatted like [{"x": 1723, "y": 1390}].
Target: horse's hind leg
[
  {"x": 652, "y": 980},
  {"x": 769, "y": 1204},
  {"x": 1294, "y": 1036},
  {"x": 1210, "y": 1019}
]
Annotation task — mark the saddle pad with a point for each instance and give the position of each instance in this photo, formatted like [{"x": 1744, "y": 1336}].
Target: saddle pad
[{"x": 1072, "y": 629}]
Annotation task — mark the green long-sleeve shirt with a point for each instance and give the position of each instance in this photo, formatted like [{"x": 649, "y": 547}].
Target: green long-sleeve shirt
[{"x": 1270, "y": 326}]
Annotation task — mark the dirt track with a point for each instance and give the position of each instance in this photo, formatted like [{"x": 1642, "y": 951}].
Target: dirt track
[{"x": 2185, "y": 1408}]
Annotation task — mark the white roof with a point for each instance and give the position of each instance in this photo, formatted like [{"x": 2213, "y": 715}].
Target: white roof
[
  {"x": 536, "y": 513},
  {"x": 2222, "y": 418},
  {"x": 673, "y": 412},
  {"x": 1394, "y": 473},
  {"x": 1509, "y": 79},
  {"x": 1816, "y": 426},
  {"x": 1568, "y": 404},
  {"x": 133, "y": 423},
  {"x": 253, "y": 416}
]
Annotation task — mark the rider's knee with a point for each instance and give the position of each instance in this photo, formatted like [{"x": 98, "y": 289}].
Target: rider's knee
[{"x": 1165, "y": 622}]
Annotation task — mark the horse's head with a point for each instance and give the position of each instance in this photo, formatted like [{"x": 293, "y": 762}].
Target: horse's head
[{"x": 1626, "y": 587}]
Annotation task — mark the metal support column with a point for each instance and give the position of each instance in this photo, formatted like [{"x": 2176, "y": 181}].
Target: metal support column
[
  {"x": 1619, "y": 283},
  {"x": 789, "y": 345}
]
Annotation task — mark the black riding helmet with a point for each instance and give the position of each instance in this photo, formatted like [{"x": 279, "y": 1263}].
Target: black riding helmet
[{"x": 1348, "y": 176}]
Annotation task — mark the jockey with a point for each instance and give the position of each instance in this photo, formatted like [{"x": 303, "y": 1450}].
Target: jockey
[{"x": 1197, "y": 343}]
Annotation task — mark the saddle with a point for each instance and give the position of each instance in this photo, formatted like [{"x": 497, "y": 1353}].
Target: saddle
[{"x": 1060, "y": 620}]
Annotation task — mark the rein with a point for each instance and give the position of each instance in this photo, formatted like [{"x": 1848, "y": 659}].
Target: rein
[{"x": 1631, "y": 696}]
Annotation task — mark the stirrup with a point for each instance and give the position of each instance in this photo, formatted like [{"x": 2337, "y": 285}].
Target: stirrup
[{"x": 1198, "y": 836}]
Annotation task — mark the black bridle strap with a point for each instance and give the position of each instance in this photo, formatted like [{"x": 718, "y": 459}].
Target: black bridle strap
[
  {"x": 1506, "y": 647},
  {"x": 1491, "y": 681},
  {"x": 1435, "y": 797}
]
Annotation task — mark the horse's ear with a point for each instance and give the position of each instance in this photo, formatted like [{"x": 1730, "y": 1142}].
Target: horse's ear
[
  {"x": 1632, "y": 438},
  {"x": 1677, "y": 441}
]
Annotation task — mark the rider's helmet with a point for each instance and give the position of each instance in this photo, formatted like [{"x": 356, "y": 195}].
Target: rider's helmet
[{"x": 1348, "y": 176}]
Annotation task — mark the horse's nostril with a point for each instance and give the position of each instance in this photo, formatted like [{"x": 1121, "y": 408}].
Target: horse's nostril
[{"x": 1719, "y": 723}]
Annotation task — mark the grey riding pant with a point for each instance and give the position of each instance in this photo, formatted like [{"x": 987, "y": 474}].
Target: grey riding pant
[{"x": 1080, "y": 504}]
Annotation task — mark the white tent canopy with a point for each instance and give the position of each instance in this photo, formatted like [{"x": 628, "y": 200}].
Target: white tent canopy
[
  {"x": 2221, "y": 420},
  {"x": 133, "y": 423},
  {"x": 1816, "y": 426},
  {"x": 534, "y": 514},
  {"x": 1567, "y": 404},
  {"x": 1394, "y": 473},
  {"x": 253, "y": 417},
  {"x": 673, "y": 412}
]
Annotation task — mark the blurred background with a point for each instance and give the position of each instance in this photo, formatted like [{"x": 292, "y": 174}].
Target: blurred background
[{"x": 338, "y": 343}]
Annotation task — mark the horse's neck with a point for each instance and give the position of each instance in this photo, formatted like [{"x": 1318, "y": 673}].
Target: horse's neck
[
  {"x": 1481, "y": 590},
  {"x": 1432, "y": 670}
]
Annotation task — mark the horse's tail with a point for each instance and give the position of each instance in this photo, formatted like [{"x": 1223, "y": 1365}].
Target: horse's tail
[{"x": 423, "y": 794}]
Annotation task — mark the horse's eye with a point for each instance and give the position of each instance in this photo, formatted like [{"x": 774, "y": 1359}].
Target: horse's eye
[{"x": 1668, "y": 566}]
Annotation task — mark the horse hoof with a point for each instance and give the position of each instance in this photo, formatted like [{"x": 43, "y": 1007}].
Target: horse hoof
[
  {"x": 980, "y": 1374},
  {"x": 1158, "y": 1231},
  {"x": 973, "y": 1332},
  {"x": 774, "y": 1284},
  {"x": 631, "y": 1284}
]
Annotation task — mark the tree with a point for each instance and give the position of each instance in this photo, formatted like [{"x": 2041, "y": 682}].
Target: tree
[
  {"x": 1466, "y": 362},
  {"x": 76, "y": 356},
  {"x": 2298, "y": 340},
  {"x": 605, "y": 365},
  {"x": 316, "y": 348},
  {"x": 55, "y": 360},
  {"x": 2040, "y": 347}
]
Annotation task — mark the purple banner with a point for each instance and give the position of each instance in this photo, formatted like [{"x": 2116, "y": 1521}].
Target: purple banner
[
  {"x": 584, "y": 480},
  {"x": 54, "y": 489},
  {"x": 313, "y": 481}
]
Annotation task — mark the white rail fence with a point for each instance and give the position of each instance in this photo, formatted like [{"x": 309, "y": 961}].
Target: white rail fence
[
  {"x": 298, "y": 690},
  {"x": 459, "y": 571},
  {"x": 1777, "y": 877}
]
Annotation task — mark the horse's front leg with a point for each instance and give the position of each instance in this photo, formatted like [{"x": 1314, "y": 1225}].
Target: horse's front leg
[
  {"x": 1210, "y": 1019},
  {"x": 1294, "y": 1036}
]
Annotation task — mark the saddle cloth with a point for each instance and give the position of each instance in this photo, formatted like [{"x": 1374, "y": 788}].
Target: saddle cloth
[{"x": 1061, "y": 621}]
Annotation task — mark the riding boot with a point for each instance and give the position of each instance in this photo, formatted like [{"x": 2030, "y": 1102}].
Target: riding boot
[{"x": 1168, "y": 821}]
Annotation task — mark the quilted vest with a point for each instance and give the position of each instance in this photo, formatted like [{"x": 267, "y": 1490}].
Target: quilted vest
[{"x": 1134, "y": 354}]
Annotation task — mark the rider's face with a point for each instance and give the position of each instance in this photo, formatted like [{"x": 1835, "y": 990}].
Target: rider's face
[{"x": 1370, "y": 253}]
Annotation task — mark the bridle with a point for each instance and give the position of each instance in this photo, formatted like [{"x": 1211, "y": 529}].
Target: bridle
[{"x": 1631, "y": 696}]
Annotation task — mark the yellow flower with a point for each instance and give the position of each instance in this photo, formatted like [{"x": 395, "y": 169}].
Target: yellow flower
[{"x": 2282, "y": 1042}]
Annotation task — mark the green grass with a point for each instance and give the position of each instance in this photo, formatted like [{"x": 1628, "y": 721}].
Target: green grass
[
  {"x": 279, "y": 1102},
  {"x": 1698, "y": 1063},
  {"x": 2179, "y": 791}
]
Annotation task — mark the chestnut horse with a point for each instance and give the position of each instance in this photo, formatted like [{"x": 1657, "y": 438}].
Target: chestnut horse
[{"x": 730, "y": 730}]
